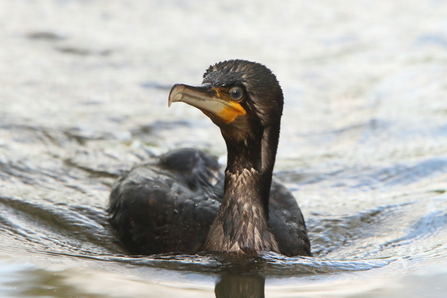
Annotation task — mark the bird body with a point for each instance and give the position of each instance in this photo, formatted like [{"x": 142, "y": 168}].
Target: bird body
[{"x": 184, "y": 204}]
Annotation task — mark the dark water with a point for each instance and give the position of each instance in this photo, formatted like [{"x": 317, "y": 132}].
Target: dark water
[{"x": 83, "y": 97}]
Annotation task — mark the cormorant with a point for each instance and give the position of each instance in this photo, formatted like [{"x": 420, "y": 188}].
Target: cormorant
[{"x": 183, "y": 203}]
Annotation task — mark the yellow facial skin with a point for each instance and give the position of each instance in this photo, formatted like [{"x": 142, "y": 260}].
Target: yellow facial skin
[
  {"x": 215, "y": 102},
  {"x": 232, "y": 110}
]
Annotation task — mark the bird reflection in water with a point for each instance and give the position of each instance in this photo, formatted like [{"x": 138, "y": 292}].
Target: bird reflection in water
[{"x": 240, "y": 286}]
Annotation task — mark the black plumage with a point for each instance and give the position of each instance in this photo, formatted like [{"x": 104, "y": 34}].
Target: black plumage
[{"x": 184, "y": 204}]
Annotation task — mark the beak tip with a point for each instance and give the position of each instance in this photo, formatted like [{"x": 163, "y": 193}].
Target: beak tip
[{"x": 175, "y": 94}]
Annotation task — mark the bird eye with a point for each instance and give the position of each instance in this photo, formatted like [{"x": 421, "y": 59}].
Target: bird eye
[{"x": 236, "y": 93}]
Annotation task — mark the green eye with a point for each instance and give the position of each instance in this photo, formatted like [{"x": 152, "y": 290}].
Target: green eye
[{"x": 236, "y": 93}]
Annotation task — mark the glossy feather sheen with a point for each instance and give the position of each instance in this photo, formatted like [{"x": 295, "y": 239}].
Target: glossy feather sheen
[
  {"x": 169, "y": 206},
  {"x": 243, "y": 225},
  {"x": 183, "y": 204}
]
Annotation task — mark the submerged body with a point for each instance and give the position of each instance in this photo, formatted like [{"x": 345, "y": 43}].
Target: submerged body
[
  {"x": 184, "y": 204},
  {"x": 169, "y": 206}
]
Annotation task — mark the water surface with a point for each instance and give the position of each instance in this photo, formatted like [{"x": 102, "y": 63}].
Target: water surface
[{"x": 83, "y": 97}]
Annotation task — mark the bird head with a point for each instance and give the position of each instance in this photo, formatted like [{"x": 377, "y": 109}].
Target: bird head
[{"x": 237, "y": 95}]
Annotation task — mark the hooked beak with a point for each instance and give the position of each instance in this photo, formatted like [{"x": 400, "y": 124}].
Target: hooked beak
[{"x": 208, "y": 100}]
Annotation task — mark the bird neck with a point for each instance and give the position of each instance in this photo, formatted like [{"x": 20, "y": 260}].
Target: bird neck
[
  {"x": 242, "y": 221},
  {"x": 255, "y": 151}
]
